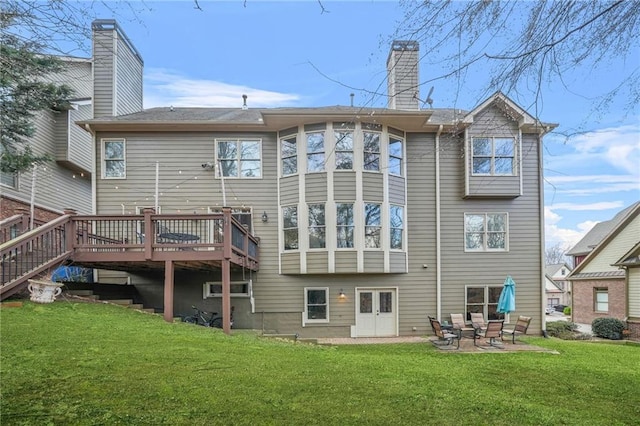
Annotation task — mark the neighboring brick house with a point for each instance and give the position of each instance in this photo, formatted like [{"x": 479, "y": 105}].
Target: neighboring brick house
[
  {"x": 370, "y": 219},
  {"x": 108, "y": 83},
  {"x": 606, "y": 270},
  {"x": 557, "y": 287}
]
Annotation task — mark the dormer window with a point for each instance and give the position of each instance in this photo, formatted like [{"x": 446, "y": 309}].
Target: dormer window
[{"x": 493, "y": 156}]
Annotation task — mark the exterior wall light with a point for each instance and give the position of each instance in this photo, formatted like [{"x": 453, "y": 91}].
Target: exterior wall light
[
  {"x": 265, "y": 218},
  {"x": 342, "y": 295}
]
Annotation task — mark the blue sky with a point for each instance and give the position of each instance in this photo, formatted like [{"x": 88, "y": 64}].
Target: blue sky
[{"x": 294, "y": 54}]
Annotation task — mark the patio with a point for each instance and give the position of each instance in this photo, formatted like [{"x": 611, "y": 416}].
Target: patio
[{"x": 466, "y": 345}]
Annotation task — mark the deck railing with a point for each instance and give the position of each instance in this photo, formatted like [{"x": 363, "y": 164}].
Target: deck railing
[{"x": 69, "y": 235}]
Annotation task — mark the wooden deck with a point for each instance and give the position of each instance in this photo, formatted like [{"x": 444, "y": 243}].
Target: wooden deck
[{"x": 130, "y": 243}]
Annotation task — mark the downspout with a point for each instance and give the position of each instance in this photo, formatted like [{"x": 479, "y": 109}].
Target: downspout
[
  {"x": 438, "y": 248},
  {"x": 542, "y": 236}
]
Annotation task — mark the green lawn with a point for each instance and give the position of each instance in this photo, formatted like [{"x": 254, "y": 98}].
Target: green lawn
[{"x": 87, "y": 364}]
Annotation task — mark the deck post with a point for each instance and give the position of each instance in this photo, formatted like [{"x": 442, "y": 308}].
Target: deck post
[
  {"x": 226, "y": 271},
  {"x": 226, "y": 296},
  {"x": 168, "y": 291}
]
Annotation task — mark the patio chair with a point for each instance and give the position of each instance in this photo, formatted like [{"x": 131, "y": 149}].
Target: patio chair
[
  {"x": 459, "y": 324},
  {"x": 477, "y": 321},
  {"x": 492, "y": 332},
  {"x": 520, "y": 328},
  {"x": 443, "y": 335}
]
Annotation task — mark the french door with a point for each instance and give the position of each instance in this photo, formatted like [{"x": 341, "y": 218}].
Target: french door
[{"x": 376, "y": 312}]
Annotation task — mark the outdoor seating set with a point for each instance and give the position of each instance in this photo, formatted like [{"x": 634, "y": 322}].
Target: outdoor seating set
[{"x": 492, "y": 330}]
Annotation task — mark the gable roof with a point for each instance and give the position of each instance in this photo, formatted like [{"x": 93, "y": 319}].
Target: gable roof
[
  {"x": 630, "y": 258},
  {"x": 598, "y": 233},
  {"x": 513, "y": 111},
  {"x": 550, "y": 285},
  {"x": 552, "y": 269},
  {"x": 620, "y": 221}
]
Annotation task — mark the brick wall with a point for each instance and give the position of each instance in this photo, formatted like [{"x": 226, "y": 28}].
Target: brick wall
[
  {"x": 634, "y": 327},
  {"x": 582, "y": 310},
  {"x": 10, "y": 207}
]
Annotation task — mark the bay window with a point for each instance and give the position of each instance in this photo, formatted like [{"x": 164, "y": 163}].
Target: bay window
[{"x": 316, "y": 226}]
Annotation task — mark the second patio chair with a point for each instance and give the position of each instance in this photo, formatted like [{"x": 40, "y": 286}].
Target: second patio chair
[
  {"x": 443, "y": 335},
  {"x": 520, "y": 328},
  {"x": 493, "y": 332},
  {"x": 459, "y": 324}
]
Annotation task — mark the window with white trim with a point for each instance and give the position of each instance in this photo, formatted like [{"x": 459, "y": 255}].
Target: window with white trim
[
  {"x": 484, "y": 300},
  {"x": 485, "y": 231},
  {"x": 396, "y": 226},
  {"x": 372, "y": 225},
  {"x": 371, "y": 151},
  {"x": 395, "y": 155},
  {"x": 237, "y": 289},
  {"x": 601, "y": 299},
  {"x": 9, "y": 179},
  {"x": 114, "y": 159},
  {"x": 344, "y": 150},
  {"x": 344, "y": 225},
  {"x": 316, "y": 304},
  {"x": 316, "y": 226},
  {"x": 290, "y": 227},
  {"x": 315, "y": 151},
  {"x": 289, "y": 155},
  {"x": 239, "y": 158},
  {"x": 493, "y": 156}
]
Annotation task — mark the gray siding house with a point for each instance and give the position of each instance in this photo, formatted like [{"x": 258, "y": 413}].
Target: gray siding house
[
  {"x": 370, "y": 219},
  {"x": 109, "y": 83}
]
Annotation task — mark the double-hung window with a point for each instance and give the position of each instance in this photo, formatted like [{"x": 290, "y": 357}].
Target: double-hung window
[
  {"x": 371, "y": 149},
  {"x": 344, "y": 150},
  {"x": 113, "y": 159},
  {"x": 485, "y": 232},
  {"x": 289, "y": 155},
  {"x": 395, "y": 156},
  {"x": 396, "y": 226},
  {"x": 493, "y": 156},
  {"x": 601, "y": 300},
  {"x": 345, "y": 226},
  {"x": 315, "y": 151},
  {"x": 239, "y": 158},
  {"x": 484, "y": 300},
  {"x": 290, "y": 227},
  {"x": 9, "y": 179},
  {"x": 316, "y": 226},
  {"x": 316, "y": 304},
  {"x": 372, "y": 225}
]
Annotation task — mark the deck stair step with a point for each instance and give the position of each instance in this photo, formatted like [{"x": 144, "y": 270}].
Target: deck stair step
[
  {"x": 123, "y": 302},
  {"x": 83, "y": 293},
  {"x": 150, "y": 310},
  {"x": 138, "y": 306}
]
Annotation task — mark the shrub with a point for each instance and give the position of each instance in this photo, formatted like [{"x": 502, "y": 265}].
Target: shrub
[
  {"x": 608, "y": 328},
  {"x": 556, "y": 328},
  {"x": 567, "y": 310}
]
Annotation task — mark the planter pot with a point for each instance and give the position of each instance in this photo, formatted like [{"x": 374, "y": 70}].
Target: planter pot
[{"x": 44, "y": 291}]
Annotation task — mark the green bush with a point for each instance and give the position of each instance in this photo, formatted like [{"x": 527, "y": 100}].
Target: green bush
[
  {"x": 608, "y": 328},
  {"x": 558, "y": 328},
  {"x": 567, "y": 310}
]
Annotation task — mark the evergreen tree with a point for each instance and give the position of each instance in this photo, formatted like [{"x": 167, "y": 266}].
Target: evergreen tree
[{"x": 24, "y": 92}]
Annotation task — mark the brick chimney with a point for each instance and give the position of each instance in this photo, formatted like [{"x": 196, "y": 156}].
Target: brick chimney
[{"x": 402, "y": 75}]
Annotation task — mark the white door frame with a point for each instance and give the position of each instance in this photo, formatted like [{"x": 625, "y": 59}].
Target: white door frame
[{"x": 370, "y": 325}]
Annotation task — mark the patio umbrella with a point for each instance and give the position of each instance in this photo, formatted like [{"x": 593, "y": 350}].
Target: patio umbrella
[{"x": 507, "y": 300}]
